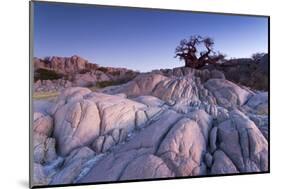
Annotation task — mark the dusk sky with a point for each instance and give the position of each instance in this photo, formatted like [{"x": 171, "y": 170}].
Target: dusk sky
[{"x": 139, "y": 39}]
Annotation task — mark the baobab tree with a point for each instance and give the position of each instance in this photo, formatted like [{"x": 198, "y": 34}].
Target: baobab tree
[{"x": 188, "y": 51}]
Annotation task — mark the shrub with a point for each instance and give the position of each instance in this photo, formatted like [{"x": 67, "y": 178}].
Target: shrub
[
  {"x": 103, "y": 69},
  {"x": 115, "y": 73},
  {"x": 44, "y": 74},
  {"x": 102, "y": 84}
]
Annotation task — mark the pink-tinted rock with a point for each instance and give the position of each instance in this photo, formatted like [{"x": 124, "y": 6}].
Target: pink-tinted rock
[
  {"x": 227, "y": 93},
  {"x": 108, "y": 143},
  {"x": 39, "y": 177},
  {"x": 73, "y": 165},
  {"x": 222, "y": 164},
  {"x": 258, "y": 104},
  {"x": 243, "y": 143},
  {"x": 149, "y": 101},
  {"x": 146, "y": 167},
  {"x": 43, "y": 125},
  {"x": 44, "y": 150},
  {"x": 169, "y": 123},
  {"x": 203, "y": 120},
  {"x": 141, "y": 85},
  {"x": 183, "y": 148},
  {"x": 116, "y": 112},
  {"x": 97, "y": 145},
  {"x": 76, "y": 124},
  {"x": 147, "y": 141}
]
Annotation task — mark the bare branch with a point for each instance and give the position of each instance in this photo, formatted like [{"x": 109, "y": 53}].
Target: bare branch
[{"x": 187, "y": 51}]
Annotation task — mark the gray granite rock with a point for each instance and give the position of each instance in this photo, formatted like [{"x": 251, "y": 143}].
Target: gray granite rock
[{"x": 179, "y": 122}]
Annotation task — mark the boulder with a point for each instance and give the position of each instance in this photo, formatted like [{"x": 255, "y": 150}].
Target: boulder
[
  {"x": 143, "y": 84},
  {"x": 68, "y": 174},
  {"x": 72, "y": 94},
  {"x": 241, "y": 140},
  {"x": 116, "y": 135},
  {"x": 176, "y": 88},
  {"x": 149, "y": 101},
  {"x": 44, "y": 150},
  {"x": 146, "y": 167},
  {"x": 73, "y": 165},
  {"x": 43, "y": 124},
  {"x": 167, "y": 89},
  {"x": 81, "y": 118},
  {"x": 39, "y": 177},
  {"x": 262, "y": 123},
  {"x": 152, "y": 135},
  {"x": 76, "y": 124},
  {"x": 222, "y": 164},
  {"x": 258, "y": 103},
  {"x": 116, "y": 112},
  {"x": 203, "y": 120},
  {"x": 110, "y": 167},
  {"x": 183, "y": 148},
  {"x": 208, "y": 160},
  {"x": 227, "y": 94},
  {"x": 213, "y": 139},
  {"x": 41, "y": 107},
  {"x": 108, "y": 143},
  {"x": 147, "y": 141},
  {"x": 98, "y": 143}
]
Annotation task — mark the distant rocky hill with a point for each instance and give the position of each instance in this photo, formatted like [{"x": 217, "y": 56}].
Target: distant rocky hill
[
  {"x": 56, "y": 73},
  {"x": 63, "y": 65},
  {"x": 72, "y": 65}
]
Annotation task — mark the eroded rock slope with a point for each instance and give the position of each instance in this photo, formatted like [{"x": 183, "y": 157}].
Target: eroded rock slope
[{"x": 182, "y": 123}]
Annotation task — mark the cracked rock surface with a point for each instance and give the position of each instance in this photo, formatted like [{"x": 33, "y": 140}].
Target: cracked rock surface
[{"x": 166, "y": 123}]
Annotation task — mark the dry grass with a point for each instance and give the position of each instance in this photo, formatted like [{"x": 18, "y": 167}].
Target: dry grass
[
  {"x": 45, "y": 95},
  {"x": 93, "y": 88},
  {"x": 53, "y": 95}
]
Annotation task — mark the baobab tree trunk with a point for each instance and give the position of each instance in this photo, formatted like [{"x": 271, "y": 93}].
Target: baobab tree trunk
[{"x": 186, "y": 63}]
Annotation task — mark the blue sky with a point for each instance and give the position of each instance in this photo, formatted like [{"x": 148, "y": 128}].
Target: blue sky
[{"x": 139, "y": 39}]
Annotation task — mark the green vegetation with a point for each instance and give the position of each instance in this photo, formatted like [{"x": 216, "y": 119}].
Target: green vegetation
[
  {"x": 129, "y": 75},
  {"x": 103, "y": 69},
  {"x": 44, "y": 74},
  {"x": 93, "y": 88},
  {"x": 102, "y": 84}
]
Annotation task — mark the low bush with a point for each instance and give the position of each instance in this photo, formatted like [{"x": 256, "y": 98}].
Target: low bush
[
  {"x": 102, "y": 84},
  {"x": 44, "y": 74},
  {"x": 103, "y": 69}
]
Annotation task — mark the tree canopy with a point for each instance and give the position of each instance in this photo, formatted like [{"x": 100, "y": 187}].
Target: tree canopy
[{"x": 188, "y": 50}]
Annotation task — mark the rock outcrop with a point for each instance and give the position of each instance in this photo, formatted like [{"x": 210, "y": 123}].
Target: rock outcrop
[
  {"x": 57, "y": 73},
  {"x": 162, "y": 124},
  {"x": 79, "y": 122},
  {"x": 63, "y": 65},
  {"x": 51, "y": 85}
]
